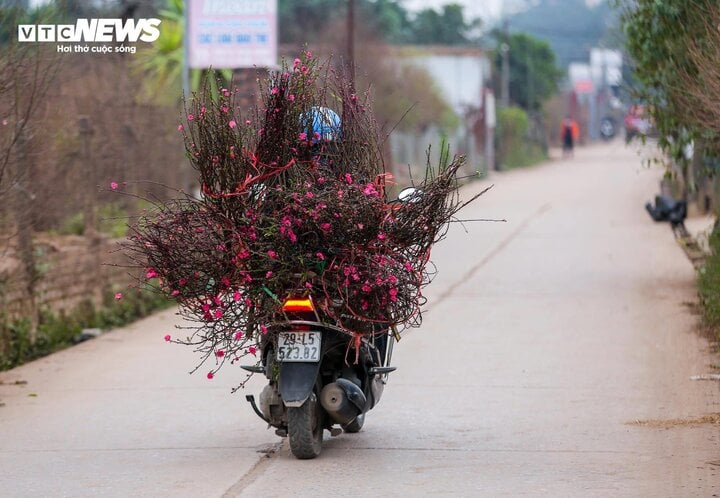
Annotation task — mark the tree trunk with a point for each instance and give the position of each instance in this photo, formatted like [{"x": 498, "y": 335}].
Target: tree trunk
[{"x": 21, "y": 206}]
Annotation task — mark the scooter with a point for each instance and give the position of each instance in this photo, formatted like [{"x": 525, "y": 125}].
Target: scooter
[{"x": 319, "y": 376}]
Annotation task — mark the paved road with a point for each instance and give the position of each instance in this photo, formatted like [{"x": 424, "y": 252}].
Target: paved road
[{"x": 546, "y": 338}]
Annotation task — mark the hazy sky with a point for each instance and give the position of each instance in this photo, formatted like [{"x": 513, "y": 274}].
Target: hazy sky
[{"x": 486, "y": 9}]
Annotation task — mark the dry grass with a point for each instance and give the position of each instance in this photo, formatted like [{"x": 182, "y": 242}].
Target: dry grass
[{"x": 711, "y": 419}]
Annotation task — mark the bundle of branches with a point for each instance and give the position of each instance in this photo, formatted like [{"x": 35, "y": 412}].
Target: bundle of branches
[{"x": 285, "y": 210}]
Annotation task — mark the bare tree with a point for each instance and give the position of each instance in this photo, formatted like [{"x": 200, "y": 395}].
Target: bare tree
[{"x": 26, "y": 72}]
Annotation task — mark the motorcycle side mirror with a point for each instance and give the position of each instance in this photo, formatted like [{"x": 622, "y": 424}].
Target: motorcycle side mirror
[{"x": 410, "y": 194}]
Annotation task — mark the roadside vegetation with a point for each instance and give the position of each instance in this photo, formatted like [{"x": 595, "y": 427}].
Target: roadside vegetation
[
  {"x": 56, "y": 331},
  {"x": 515, "y": 149},
  {"x": 675, "y": 49},
  {"x": 709, "y": 286}
]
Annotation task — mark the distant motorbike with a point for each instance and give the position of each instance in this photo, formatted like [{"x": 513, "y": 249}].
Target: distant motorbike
[
  {"x": 314, "y": 380},
  {"x": 608, "y": 129}
]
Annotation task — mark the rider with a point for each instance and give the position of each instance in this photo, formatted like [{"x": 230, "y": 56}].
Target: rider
[
  {"x": 324, "y": 125},
  {"x": 327, "y": 135}
]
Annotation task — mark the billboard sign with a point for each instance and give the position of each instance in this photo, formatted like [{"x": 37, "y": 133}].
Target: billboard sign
[{"x": 227, "y": 34}]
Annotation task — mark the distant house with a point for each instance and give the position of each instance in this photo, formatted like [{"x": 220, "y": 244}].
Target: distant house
[{"x": 461, "y": 74}]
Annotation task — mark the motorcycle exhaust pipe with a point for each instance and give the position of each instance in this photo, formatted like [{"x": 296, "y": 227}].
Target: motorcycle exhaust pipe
[{"x": 343, "y": 401}]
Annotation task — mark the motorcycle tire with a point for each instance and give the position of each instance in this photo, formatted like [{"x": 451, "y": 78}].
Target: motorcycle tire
[
  {"x": 305, "y": 429},
  {"x": 355, "y": 425}
]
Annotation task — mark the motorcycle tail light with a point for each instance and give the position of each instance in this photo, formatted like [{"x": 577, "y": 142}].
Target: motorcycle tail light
[{"x": 295, "y": 305}]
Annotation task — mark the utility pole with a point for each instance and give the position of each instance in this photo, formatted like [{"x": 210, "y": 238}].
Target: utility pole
[
  {"x": 351, "y": 42},
  {"x": 186, "y": 53},
  {"x": 505, "y": 76}
]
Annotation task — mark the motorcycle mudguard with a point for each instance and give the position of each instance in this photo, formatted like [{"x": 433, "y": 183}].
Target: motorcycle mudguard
[{"x": 297, "y": 381}]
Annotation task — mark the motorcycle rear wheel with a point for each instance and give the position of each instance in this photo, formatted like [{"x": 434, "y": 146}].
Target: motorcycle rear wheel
[{"x": 305, "y": 429}]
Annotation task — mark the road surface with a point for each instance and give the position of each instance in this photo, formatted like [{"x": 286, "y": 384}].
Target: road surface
[{"x": 554, "y": 360}]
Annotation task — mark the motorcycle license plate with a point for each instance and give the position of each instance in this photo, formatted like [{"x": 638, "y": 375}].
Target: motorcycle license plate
[{"x": 299, "y": 346}]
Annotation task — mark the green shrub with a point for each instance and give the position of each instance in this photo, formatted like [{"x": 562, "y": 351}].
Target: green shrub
[
  {"x": 73, "y": 225},
  {"x": 709, "y": 284},
  {"x": 56, "y": 331},
  {"x": 514, "y": 148},
  {"x": 112, "y": 220}
]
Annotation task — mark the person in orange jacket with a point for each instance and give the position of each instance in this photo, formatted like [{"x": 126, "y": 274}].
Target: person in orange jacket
[{"x": 569, "y": 133}]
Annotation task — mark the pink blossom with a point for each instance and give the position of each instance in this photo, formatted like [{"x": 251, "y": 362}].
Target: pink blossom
[
  {"x": 308, "y": 54},
  {"x": 325, "y": 226},
  {"x": 219, "y": 353},
  {"x": 272, "y": 254},
  {"x": 292, "y": 236},
  {"x": 393, "y": 294},
  {"x": 190, "y": 117},
  {"x": 232, "y": 123},
  {"x": 348, "y": 178},
  {"x": 381, "y": 236},
  {"x": 366, "y": 288},
  {"x": 320, "y": 256},
  {"x": 247, "y": 122},
  {"x": 180, "y": 127},
  {"x": 309, "y": 195},
  {"x": 225, "y": 92},
  {"x": 210, "y": 375},
  {"x": 274, "y": 90},
  {"x": 236, "y": 296},
  {"x": 113, "y": 185},
  {"x": 304, "y": 69},
  {"x": 296, "y": 62},
  {"x": 218, "y": 313},
  {"x": 238, "y": 335},
  {"x": 268, "y": 274},
  {"x": 291, "y": 97},
  {"x": 370, "y": 191},
  {"x": 252, "y": 350},
  {"x": 264, "y": 329},
  {"x": 321, "y": 180},
  {"x": 175, "y": 293},
  {"x": 408, "y": 266},
  {"x": 168, "y": 337},
  {"x": 302, "y": 136},
  {"x": 308, "y": 285},
  {"x": 150, "y": 273},
  {"x": 225, "y": 109},
  {"x": 118, "y": 296}
]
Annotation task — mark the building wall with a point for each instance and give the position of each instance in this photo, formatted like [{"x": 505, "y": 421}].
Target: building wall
[{"x": 461, "y": 74}]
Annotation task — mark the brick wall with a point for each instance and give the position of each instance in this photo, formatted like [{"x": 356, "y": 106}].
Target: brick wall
[{"x": 71, "y": 270}]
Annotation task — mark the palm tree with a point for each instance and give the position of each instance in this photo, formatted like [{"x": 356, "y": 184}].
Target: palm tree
[{"x": 162, "y": 62}]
